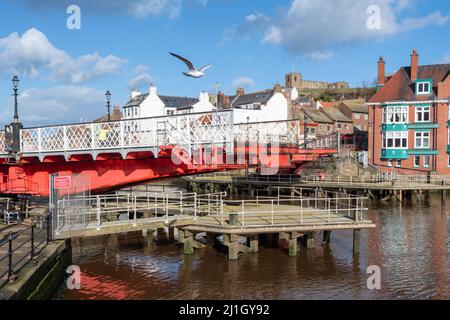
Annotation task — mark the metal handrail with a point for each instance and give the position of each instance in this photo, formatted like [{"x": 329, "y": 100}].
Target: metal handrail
[{"x": 15, "y": 259}]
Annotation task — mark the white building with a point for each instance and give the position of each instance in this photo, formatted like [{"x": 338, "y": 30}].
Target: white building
[
  {"x": 262, "y": 106},
  {"x": 153, "y": 105}
]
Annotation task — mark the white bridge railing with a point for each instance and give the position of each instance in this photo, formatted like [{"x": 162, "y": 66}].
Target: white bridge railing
[
  {"x": 2, "y": 143},
  {"x": 188, "y": 131},
  {"x": 184, "y": 130}
]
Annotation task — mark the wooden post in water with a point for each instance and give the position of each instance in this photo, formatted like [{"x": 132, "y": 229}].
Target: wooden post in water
[
  {"x": 356, "y": 240},
  {"x": 310, "y": 240},
  {"x": 253, "y": 243},
  {"x": 326, "y": 237},
  {"x": 293, "y": 244}
]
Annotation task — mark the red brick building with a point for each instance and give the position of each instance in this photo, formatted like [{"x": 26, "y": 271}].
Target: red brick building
[{"x": 409, "y": 118}]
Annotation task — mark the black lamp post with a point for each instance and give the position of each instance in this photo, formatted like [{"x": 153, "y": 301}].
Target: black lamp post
[
  {"x": 108, "y": 103},
  {"x": 15, "y": 81}
]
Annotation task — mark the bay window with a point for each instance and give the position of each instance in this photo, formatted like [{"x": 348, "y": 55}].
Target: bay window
[
  {"x": 395, "y": 139},
  {"x": 395, "y": 115}
]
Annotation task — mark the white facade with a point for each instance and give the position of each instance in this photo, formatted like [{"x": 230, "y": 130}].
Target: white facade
[
  {"x": 276, "y": 109},
  {"x": 153, "y": 106}
]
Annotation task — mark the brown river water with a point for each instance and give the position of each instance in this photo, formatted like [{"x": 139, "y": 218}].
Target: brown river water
[{"x": 410, "y": 245}]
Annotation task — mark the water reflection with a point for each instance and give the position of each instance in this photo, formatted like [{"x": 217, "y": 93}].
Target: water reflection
[{"x": 410, "y": 245}]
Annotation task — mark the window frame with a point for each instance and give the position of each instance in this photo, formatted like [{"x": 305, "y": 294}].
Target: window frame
[
  {"x": 420, "y": 111},
  {"x": 395, "y": 115},
  {"x": 416, "y": 165},
  {"x": 389, "y": 140},
  {"x": 423, "y": 84},
  {"x": 426, "y": 164},
  {"x": 421, "y": 136}
]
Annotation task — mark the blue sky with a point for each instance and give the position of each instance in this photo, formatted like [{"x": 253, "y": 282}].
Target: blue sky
[{"x": 253, "y": 43}]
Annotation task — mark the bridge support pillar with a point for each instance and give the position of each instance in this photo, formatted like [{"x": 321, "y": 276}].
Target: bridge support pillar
[
  {"x": 189, "y": 243},
  {"x": 293, "y": 244},
  {"x": 234, "y": 247},
  {"x": 326, "y": 237},
  {"x": 310, "y": 240},
  {"x": 171, "y": 234},
  {"x": 148, "y": 238},
  {"x": 111, "y": 242},
  {"x": 253, "y": 243},
  {"x": 356, "y": 241}
]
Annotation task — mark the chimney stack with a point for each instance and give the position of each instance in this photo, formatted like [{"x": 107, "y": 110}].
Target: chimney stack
[
  {"x": 153, "y": 91},
  {"x": 240, "y": 91},
  {"x": 135, "y": 93},
  {"x": 414, "y": 65},
  {"x": 381, "y": 72}
]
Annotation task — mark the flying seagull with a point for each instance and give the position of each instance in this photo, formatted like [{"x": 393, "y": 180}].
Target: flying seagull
[{"x": 193, "y": 72}]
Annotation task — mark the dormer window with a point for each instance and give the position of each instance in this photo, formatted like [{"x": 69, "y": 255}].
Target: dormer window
[{"x": 423, "y": 87}]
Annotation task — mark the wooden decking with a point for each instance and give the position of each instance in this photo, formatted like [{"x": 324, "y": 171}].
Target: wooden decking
[{"x": 259, "y": 219}]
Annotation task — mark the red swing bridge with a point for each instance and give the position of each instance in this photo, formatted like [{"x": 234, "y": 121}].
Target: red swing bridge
[{"x": 134, "y": 151}]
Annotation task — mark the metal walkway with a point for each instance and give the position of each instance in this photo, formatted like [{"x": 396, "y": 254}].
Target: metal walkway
[{"x": 121, "y": 212}]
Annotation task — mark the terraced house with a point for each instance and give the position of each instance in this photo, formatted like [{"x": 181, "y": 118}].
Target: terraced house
[{"x": 409, "y": 118}]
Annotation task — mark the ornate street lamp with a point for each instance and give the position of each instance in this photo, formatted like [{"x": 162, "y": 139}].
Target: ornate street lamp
[
  {"x": 108, "y": 103},
  {"x": 15, "y": 80}
]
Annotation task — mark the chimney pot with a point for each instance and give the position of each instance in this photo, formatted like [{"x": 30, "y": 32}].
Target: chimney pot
[{"x": 240, "y": 91}]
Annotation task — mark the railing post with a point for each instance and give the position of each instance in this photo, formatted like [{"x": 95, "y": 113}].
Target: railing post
[
  {"x": 301, "y": 210},
  {"x": 221, "y": 210},
  {"x": 181, "y": 202},
  {"x": 48, "y": 221},
  {"x": 10, "y": 255},
  {"x": 39, "y": 140},
  {"x": 243, "y": 212},
  {"x": 167, "y": 208},
  {"x": 32, "y": 241},
  {"x": 135, "y": 209},
  {"x": 98, "y": 211},
  {"x": 195, "y": 207},
  {"x": 65, "y": 142},
  {"x": 329, "y": 209},
  {"x": 272, "y": 210}
]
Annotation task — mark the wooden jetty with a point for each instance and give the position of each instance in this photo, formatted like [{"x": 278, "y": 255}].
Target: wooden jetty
[
  {"x": 381, "y": 187},
  {"x": 239, "y": 223}
]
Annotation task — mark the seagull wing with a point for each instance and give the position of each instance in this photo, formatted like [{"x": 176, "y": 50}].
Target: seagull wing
[
  {"x": 204, "y": 68},
  {"x": 186, "y": 61}
]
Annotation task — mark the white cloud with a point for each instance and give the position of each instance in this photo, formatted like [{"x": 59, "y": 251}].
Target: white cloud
[
  {"x": 145, "y": 8},
  {"x": 253, "y": 23},
  {"x": 61, "y": 104},
  {"x": 320, "y": 56},
  {"x": 136, "y": 8},
  {"x": 32, "y": 53},
  {"x": 310, "y": 26},
  {"x": 140, "y": 81},
  {"x": 243, "y": 82},
  {"x": 142, "y": 68}
]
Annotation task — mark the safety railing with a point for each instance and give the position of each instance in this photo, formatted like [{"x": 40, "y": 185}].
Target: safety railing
[
  {"x": 3, "y": 143},
  {"x": 283, "y": 132},
  {"x": 99, "y": 211},
  {"x": 93, "y": 212},
  {"x": 395, "y": 179},
  {"x": 241, "y": 176},
  {"x": 191, "y": 129},
  {"x": 20, "y": 248}
]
